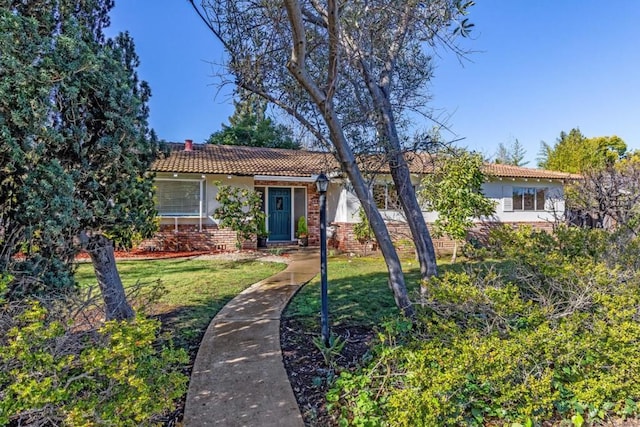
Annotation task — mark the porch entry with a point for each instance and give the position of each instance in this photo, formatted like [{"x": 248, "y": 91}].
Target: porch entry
[{"x": 283, "y": 206}]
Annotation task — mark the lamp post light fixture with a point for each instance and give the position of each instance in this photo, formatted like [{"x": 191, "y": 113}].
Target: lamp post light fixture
[{"x": 322, "y": 184}]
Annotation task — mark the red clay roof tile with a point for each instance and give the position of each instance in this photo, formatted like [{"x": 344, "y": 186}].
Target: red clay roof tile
[{"x": 250, "y": 161}]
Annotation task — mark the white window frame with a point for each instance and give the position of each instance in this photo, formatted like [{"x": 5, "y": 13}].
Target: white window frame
[
  {"x": 177, "y": 215},
  {"x": 536, "y": 208}
]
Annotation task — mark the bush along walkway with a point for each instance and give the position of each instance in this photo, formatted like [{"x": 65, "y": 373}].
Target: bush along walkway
[{"x": 238, "y": 377}]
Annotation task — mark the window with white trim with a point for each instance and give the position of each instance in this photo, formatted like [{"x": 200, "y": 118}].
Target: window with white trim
[
  {"x": 179, "y": 197},
  {"x": 528, "y": 199}
]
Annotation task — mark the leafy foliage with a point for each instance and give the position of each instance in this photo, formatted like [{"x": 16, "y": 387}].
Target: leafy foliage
[
  {"x": 454, "y": 190},
  {"x": 551, "y": 337},
  {"x": 301, "y": 229},
  {"x": 362, "y": 229},
  {"x": 240, "y": 210},
  {"x": 75, "y": 143},
  {"x": 117, "y": 375},
  {"x": 575, "y": 153}
]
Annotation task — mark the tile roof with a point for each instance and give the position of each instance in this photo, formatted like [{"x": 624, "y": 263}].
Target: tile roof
[
  {"x": 244, "y": 161},
  {"x": 250, "y": 161}
]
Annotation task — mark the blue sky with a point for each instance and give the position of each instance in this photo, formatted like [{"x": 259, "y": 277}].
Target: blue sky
[{"x": 539, "y": 67}]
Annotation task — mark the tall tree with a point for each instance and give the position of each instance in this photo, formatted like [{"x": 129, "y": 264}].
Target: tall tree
[
  {"x": 513, "y": 154},
  {"x": 75, "y": 146},
  {"x": 250, "y": 126},
  {"x": 454, "y": 191},
  {"x": 575, "y": 153},
  {"x": 347, "y": 72}
]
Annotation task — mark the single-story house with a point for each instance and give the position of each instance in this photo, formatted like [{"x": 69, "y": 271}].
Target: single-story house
[{"x": 187, "y": 178}]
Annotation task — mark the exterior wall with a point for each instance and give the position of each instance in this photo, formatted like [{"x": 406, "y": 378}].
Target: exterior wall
[
  {"x": 183, "y": 233},
  {"x": 191, "y": 233},
  {"x": 500, "y": 191},
  {"x": 344, "y": 240},
  {"x": 189, "y": 237}
]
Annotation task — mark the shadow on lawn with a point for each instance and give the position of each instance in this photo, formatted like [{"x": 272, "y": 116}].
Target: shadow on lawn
[{"x": 359, "y": 293}]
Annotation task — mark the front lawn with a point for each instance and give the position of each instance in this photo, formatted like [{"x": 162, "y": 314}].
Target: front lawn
[{"x": 195, "y": 289}]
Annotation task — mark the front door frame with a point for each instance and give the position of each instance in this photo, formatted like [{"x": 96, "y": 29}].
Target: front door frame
[{"x": 292, "y": 210}]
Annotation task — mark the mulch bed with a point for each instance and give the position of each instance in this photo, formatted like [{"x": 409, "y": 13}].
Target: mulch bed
[
  {"x": 144, "y": 254},
  {"x": 307, "y": 370}
]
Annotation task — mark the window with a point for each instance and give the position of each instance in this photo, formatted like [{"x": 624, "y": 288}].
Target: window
[
  {"x": 528, "y": 199},
  {"x": 385, "y": 196},
  {"x": 179, "y": 197}
]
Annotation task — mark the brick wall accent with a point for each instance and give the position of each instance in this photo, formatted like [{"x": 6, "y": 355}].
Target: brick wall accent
[
  {"x": 344, "y": 239},
  {"x": 188, "y": 237}
]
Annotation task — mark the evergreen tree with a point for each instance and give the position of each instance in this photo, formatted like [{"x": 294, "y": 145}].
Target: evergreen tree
[
  {"x": 575, "y": 153},
  {"x": 75, "y": 146},
  {"x": 250, "y": 126},
  {"x": 513, "y": 154}
]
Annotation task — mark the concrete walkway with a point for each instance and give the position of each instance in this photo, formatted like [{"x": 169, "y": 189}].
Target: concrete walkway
[{"x": 238, "y": 377}]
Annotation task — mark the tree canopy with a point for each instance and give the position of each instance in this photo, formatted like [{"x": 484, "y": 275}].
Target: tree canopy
[
  {"x": 575, "y": 153},
  {"x": 75, "y": 148},
  {"x": 454, "y": 191},
  {"x": 249, "y": 126}
]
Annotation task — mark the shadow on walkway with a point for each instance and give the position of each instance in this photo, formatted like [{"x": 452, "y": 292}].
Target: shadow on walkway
[{"x": 238, "y": 377}]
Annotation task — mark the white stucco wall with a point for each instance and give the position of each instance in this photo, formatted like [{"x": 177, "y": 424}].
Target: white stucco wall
[{"x": 500, "y": 191}]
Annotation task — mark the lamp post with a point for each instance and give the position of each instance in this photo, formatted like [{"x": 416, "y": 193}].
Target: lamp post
[{"x": 322, "y": 183}]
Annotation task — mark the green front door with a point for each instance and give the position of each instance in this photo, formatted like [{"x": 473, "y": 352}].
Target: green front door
[{"x": 279, "y": 214}]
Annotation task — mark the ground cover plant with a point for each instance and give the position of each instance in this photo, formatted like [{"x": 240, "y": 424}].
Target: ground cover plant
[
  {"x": 60, "y": 364},
  {"x": 548, "y": 336},
  {"x": 545, "y": 335}
]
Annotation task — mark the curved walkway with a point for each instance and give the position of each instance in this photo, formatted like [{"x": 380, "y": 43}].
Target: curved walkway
[{"x": 238, "y": 377}]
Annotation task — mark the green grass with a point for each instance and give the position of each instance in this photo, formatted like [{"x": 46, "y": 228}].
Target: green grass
[
  {"x": 358, "y": 291},
  {"x": 195, "y": 289}
]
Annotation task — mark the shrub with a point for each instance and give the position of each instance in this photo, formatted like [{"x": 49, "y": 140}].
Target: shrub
[
  {"x": 551, "y": 337},
  {"x": 117, "y": 375}
]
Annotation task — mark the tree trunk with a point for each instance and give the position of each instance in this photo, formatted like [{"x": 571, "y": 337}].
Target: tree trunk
[
  {"x": 323, "y": 100},
  {"x": 415, "y": 219},
  {"x": 380, "y": 92},
  {"x": 454, "y": 256},
  {"x": 100, "y": 250},
  {"x": 402, "y": 180}
]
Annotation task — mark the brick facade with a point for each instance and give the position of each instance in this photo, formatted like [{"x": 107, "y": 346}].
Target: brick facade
[
  {"x": 188, "y": 237},
  {"x": 344, "y": 239}
]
